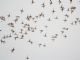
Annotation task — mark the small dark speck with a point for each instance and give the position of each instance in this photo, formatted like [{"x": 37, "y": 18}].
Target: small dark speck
[
  {"x": 0, "y": 30},
  {"x": 27, "y": 58},
  {"x": 12, "y": 50}
]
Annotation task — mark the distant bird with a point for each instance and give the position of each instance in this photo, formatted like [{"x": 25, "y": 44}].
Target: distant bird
[
  {"x": 73, "y": 7},
  {"x": 16, "y": 37},
  {"x": 2, "y": 18},
  {"x": 0, "y": 30},
  {"x": 28, "y": 18},
  {"x": 41, "y": 15},
  {"x": 53, "y": 11},
  {"x": 36, "y": 17},
  {"x": 54, "y": 36},
  {"x": 22, "y": 36},
  {"x": 12, "y": 31},
  {"x": 72, "y": 11},
  {"x": 56, "y": 17},
  {"x": 45, "y": 26},
  {"x": 49, "y": 19},
  {"x": 4, "y": 37},
  {"x": 59, "y": 1},
  {"x": 22, "y": 22},
  {"x": 27, "y": 58},
  {"x": 35, "y": 28},
  {"x": 71, "y": 23},
  {"x": 32, "y": 2},
  {"x": 62, "y": 32},
  {"x": 12, "y": 50},
  {"x": 44, "y": 45},
  {"x": 8, "y": 15},
  {"x": 70, "y": 1},
  {"x": 11, "y": 24},
  {"x": 2, "y": 41},
  {"x": 65, "y": 20},
  {"x": 21, "y": 30},
  {"x": 62, "y": 8},
  {"x": 41, "y": 31},
  {"x": 25, "y": 33},
  {"x": 30, "y": 42},
  {"x": 43, "y": 5},
  {"x": 53, "y": 39},
  {"x": 67, "y": 15},
  {"x": 22, "y": 10},
  {"x": 35, "y": 21},
  {"x": 65, "y": 28},
  {"x": 51, "y": 2},
  {"x": 39, "y": 44},
  {"x": 65, "y": 36},
  {"x": 45, "y": 35},
  {"x": 68, "y": 9},
  {"x": 75, "y": 22},
  {"x": 77, "y": 19},
  {"x": 16, "y": 20}
]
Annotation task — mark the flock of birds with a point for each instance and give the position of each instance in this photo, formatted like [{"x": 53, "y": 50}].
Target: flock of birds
[{"x": 27, "y": 28}]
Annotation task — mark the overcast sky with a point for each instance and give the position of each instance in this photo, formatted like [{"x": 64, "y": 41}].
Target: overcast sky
[{"x": 60, "y": 49}]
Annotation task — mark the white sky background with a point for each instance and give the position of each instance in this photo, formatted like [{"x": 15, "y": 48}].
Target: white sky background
[{"x": 60, "y": 49}]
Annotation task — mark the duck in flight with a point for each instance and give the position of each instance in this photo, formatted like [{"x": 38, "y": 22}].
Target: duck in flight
[
  {"x": 70, "y": 1},
  {"x": 2, "y": 41},
  {"x": 12, "y": 50},
  {"x": 27, "y": 58}
]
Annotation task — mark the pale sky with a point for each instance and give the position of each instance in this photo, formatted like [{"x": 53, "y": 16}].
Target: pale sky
[{"x": 60, "y": 49}]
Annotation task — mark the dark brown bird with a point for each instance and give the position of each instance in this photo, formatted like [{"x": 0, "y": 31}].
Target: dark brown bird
[
  {"x": 44, "y": 45},
  {"x": 22, "y": 10},
  {"x": 51, "y": 2},
  {"x": 65, "y": 36},
  {"x": 4, "y": 37},
  {"x": 12, "y": 31},
  {"x": 43, "y": 5},
  {"x": 41, "y": 31},
  {"x": 62, "y": 8},
  {"x": 62, "y": 32},
  {"x": 49, "y": 19},
  {"x": 32, "y": 2},
  {"x": 11, "y": 24},
  {"x": 45, "y": 35},
  {"x": 70, "y": 1},
  {"x": 22, "y": 36},
  {"x": 65, "y": 20},
  {"x": 2, "y": 41},
  {"x": 59, "y": 1},
  {"x": 2, "y": 18},
  {"x": 30, "y": 41},
  {"x": 0, "y": 30},
  {"x": 53, "y": 11},
  {"x": 39, "y": 44},
  {"x": 12, "y": 50},
  {"x": 27, "y": 58},
  {"x": 8, "y": 15},
  {"x": 16, "y": 37},
  {"x": 67, "y": 15}
]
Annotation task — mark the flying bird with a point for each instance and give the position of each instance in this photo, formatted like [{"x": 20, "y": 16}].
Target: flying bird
[
  {"x": 12, "y": 50},
  {"x": 2, "y": 41},
  {"x": 22, "y": 10},
  {"x": 51, "y": 2},
  {"x": 32, "y": 2},
  {"x": 43, "y": 5},
  {"x": 70, "y": 1},
  {"x": 59, "y": 1},
  {"x": 27, "y": 58}
]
